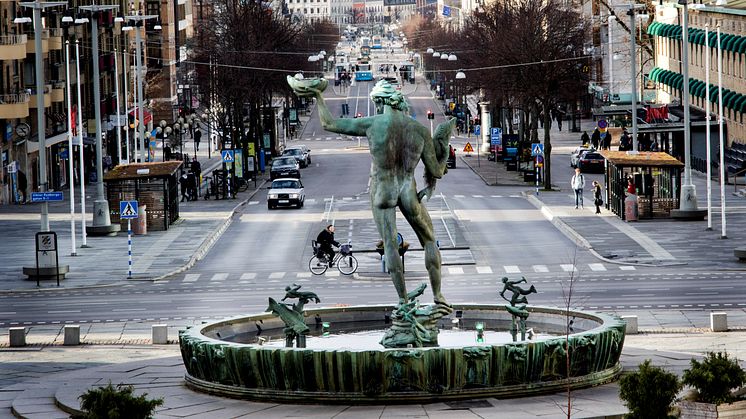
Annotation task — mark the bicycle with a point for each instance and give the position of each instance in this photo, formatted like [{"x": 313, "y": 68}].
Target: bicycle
[{"x": 345, "y": 262}]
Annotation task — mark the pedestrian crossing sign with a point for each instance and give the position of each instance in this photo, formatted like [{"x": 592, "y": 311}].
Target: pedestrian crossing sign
[
  {"x": 228, "y": 156},
  {"x": 537, "y": 149},
  {"x": 468, "y": 148},
  {"x": 127, "y": 210}
]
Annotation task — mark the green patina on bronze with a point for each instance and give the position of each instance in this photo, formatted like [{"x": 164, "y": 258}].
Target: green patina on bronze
[
  {"x": 293, "y": 315},
  {"x": 402, "y": 375},
  {"x": 519, "y": 312},
  {"x": 397, "y": 144}
]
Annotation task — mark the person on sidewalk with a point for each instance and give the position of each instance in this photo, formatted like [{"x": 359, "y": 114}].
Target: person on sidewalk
[
  {"x": 578, "y": 183},
  {"x": 196, "y": 168},
  {"x": 597, "y": 200},
  {"x": 197, "y": 138},
  {"x": 585, "y": 139},
  {"x": 183, "y": 184},
  {"x": 22, "y": 185}
]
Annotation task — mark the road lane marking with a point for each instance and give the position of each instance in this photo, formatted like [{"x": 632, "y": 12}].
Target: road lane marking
[
  {"x": 191, "y": 277},
  {"x": 277, "y": 275},
  {"x": 484, "y": 270},
  {"x": 512, "y": 269},
  {"x": 597, "y": 266},
  {"x": 248, "y": 275},
  {"x": 540, "y": 269},
  {"x": 455, "y": 270},
  {"x": 62, "y": 311},
  {"x": 303, "y": 275},
  {"x": 219, "y": 277},
  {"x": 627, "y": 268},
  {"x": 568, "y": 268}
]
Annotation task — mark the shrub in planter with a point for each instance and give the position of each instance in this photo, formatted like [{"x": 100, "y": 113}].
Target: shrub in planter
[
  {"x": 116, "y": 402},
  {"x": 715, "y": 377},
  {"x": 649, "y": 392}
]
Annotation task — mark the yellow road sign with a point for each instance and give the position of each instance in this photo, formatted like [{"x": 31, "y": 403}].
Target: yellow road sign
[{"x": 468, "y": 148}]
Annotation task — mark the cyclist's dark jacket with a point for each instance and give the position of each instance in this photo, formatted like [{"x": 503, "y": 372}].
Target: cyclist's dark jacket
[{"x": 325, "y": 241}]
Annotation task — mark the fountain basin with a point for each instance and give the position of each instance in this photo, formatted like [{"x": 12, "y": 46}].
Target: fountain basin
[{"x": 220, "y": 358}]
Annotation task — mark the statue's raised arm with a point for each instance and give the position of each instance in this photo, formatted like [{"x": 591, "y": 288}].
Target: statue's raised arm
[{"x": 315, "y": 88}]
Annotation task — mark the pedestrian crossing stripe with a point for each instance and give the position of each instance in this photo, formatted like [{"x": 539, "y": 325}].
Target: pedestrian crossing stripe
[{"x": 127, "y": 209}]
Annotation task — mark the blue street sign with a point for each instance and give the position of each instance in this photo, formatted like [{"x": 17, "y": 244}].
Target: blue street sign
[
  {"x": 228, "y": 156},
  {"x": 477, "y": 130},
  {"x": 64, "y": 155},
  {"x": 46, "y": 196},
  {"x": 537, "y": 149},
  {"x": 127, "y": 210},
  {"x": 446, "y": 10},
  {"x": 496, "y": 136}
]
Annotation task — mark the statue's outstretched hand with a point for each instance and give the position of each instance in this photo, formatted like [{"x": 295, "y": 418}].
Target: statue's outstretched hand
[{"x": 428, "y": 190}]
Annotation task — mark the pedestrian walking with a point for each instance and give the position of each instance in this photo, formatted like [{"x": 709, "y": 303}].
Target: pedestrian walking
[
  {"x": 196, "y": 168},
  {"x": 184, "y": 187},
  {"x": 596, "y": 138},
  {"x": 607, "y": 141},
  {"x": 578, "y": 183},
  {"x": 597, "y": 200},
  {"x": 191, "y": 186},
  {"x": 559, "y": 121},
  {"x": 197, "y": 138},
  {"x": 585, "y": 139}
]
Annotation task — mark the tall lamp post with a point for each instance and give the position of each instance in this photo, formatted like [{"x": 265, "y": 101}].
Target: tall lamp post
[
  {"x": 688, "y": 203},
  {"x": 37, "y": 6},
  {"x": 138, "y": 20},
  {"x": 101, "y": 219}
]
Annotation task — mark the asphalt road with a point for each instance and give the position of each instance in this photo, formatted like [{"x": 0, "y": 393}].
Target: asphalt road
[{"x": 266, "y": 250}]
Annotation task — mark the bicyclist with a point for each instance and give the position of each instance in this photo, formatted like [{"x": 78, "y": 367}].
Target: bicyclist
[{"x": 325, "y": 240}]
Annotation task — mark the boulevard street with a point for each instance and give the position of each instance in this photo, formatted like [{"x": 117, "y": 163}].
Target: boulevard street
[{"x": 498, "y": 231}]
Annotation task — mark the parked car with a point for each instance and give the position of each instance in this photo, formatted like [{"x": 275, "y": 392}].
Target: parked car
[
  {"x": 451, "y": 163},
  {"x": 299, "y": 155},
  {"x": 591, "y": 161},
  {"x": 575, "y": 156},
  {"x": 283, "y": 167},
  {"x": 286, "y": 192}
]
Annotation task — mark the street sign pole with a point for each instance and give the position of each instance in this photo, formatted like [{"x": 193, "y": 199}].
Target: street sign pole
[
  {"x": 536, "y": 164},
  {"x": 128, "y": 210},
  {"x": 129, "y": 248}
]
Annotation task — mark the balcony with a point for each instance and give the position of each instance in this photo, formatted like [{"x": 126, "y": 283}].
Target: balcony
[
  {"x": 55, "y": 38},
  {"x": 58, "y": 91},
  {"x": 13, "y": 47},
  {"x": 14, "y": 106},
  {"x": 47, "y": 97},
  {"x": 31, "y": 44}
]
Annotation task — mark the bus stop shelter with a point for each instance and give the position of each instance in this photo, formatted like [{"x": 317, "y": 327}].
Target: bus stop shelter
[
  {"x": 657, "y": 179},
  {"x": 154, "y": 185}
]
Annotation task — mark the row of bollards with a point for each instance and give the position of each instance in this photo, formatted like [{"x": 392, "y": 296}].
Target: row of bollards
[
  {"x": 718, "y": 323},
  {"x": 17, "y": 335}
]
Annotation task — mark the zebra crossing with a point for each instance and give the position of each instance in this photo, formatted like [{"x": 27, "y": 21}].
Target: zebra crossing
[
  {"x": 311, "y": 201},
  {"x": 477, "y": 270}
]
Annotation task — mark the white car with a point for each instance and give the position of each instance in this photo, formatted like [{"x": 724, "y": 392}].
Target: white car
[
  {"x": 575, "y": 156},
  {"x": 286, "y": 192},
  {"x": 305, "y": 150}
]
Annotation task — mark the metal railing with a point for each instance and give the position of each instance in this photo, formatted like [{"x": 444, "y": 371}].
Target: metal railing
[
  {"x": 13, "y": 39},
  {"x": 58, "y": 84},
  {"x": 735, "y": 178},
  {"x": 15, "y": 98},
  {"x": 56, "y": 32},
  {"x": 44, "y": 34}
]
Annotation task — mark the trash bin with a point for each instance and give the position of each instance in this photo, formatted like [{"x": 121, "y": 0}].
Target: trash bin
[
  {"x": 630, "y": 208},
  {"x": 140, "y": 225}
]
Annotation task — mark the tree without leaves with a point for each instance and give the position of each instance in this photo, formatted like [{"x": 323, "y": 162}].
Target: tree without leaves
[{"x": 539, "y": 45}]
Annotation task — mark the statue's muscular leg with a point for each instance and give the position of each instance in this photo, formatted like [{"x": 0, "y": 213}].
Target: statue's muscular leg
[
  {"x": 418, "y": 217},
  {"x": 386, "y": 222}
]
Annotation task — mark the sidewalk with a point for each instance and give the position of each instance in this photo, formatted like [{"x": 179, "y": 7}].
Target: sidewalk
[{"x": 155, "y": 255}]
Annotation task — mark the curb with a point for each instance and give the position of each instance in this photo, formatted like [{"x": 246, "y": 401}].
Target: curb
[
  {"x": 581, "y": 241},
  {"x": 486, "y": 182},
  {"x": 210, "y": 240}
]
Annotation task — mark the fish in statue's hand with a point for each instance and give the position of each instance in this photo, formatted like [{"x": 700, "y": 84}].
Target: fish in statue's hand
[{"x": 307, "y": 87}]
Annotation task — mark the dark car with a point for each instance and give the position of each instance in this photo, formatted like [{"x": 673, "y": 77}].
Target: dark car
[
  {"x": 299, "y": 154},
  {"x": 591, "y": 161},
  {"x": 451, "y": 164},
  {"x": 284, "y": 167}
]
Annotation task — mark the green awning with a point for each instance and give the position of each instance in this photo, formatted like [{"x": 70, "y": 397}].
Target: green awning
[
  {"x": 678, "y": 81},
  {"x": 699, "y": 38},
  {"x": 741, "y": 45},
  {"x": 728, "y": 99},
  {"x": 729, "y": 42},
  {"x": 654, "y": 73},
  {"x": 653, "y": 28},
  {"x": 741, "y": 104}
]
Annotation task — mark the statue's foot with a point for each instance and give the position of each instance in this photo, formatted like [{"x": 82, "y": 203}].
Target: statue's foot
[{"x": 439, "y": 299}]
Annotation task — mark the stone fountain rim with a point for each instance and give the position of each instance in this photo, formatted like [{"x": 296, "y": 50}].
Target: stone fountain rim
[{"x": 605, "y": 321}]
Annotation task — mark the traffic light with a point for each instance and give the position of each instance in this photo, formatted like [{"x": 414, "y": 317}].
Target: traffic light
[{"x": 430, "y": 114}]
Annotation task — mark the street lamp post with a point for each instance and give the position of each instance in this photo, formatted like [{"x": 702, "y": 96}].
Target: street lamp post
[
  {"x": 138, "y": 19},
  {"x": 688, "y": 203},
  {"x": 633, "y": 66},
  {"x": 101, "y": 219},
  {"x": 37, "y": 6},
  {"x": 70, "y": 154},
  {"x": 83, "y": 230}
]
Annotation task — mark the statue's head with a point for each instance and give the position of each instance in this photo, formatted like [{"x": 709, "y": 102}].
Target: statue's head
[{"x": 384, "y": 94}]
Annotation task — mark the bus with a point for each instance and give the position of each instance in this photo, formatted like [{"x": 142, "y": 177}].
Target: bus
[
  {"x": 376, "y": 42},
  {"x": 363, "y": 71},
  {"x": 365, "y": 51}
]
